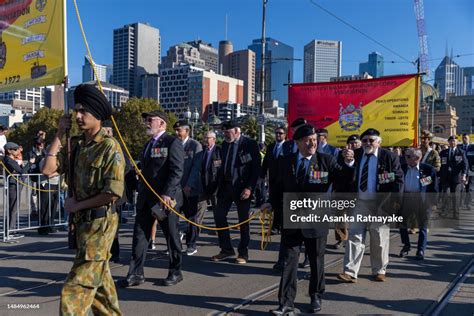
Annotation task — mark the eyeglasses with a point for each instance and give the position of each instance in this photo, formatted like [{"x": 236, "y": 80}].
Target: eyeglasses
[
  {"x": 149, "y": 119},
  {"x": 367, "y": 140},
  {"x": 279, "y": 133}
]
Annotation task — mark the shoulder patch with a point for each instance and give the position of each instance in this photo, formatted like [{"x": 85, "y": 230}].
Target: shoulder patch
[{"x": 117, "y": 156}]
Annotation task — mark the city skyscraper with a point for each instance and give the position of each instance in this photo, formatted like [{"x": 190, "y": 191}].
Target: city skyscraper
[
  {"x": 183, "y": 54},
  {"x": 374, "y": 66},
  {"x": 103, "y": 71},
  {"x": 208, "y": 53},
  {"x": 450, "y": 79},
  {"x": 137, "y": 50},
  {"x": 469, "y": 75},
  {"x": 322, "y": 60},
  {"x": 278, "y": 69},
  {"x": 239, "y": 65}
]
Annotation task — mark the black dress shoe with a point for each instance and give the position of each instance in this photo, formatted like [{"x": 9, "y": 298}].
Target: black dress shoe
[
  {"x": 420, "y": 255},
  {"x": 404, "y": 252},
  {"x": 283, "y": 310},
  {"x": 278, "y": 266},
  {"x": 305, "y": 264},
  {"x": 338, "y": 245},
  {"x": 172, "y": 280},
  {"x": 115, "y": 259},
  {"x": 131, "y": 280},
  {"x": 315, "y": 305}
]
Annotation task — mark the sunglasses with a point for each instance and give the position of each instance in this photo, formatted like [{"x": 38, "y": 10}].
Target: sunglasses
[
  {"x": 149, "y": 119},
  {"x": 279, "y": 133},
  {"x": 367, "y": 140}
]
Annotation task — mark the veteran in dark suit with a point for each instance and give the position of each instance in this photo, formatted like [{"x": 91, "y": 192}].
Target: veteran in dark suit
[
  {"x": 468, "y": 148},
  {"x": 420, "y": 180},
  {"x": 377, "y": 171},
  {"x": 190, "y": 182},
  {"x": 238, "y": 177},
  {"x": 210, "y": 165},
  {"x": 275, "y": 151},
  {"x": 163, "y": 162},
  {"x": 305, "y": 171},
  {"x": 453, "y": 173}
]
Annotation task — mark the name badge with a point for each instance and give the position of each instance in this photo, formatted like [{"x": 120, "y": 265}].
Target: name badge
[
  {"x": 444, "y": 160},
  {"x": 245, "y": 158},
  {"x": 217, "y": 163},
  {"x": 458, "y": 159},
  {"x": 159, "y": 152},
  {"x": 426, "y": 181},
  {"x": 386, "y": 177}
]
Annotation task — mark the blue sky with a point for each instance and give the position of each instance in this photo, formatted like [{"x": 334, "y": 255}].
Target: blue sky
[{"x": 294, "y": 22}]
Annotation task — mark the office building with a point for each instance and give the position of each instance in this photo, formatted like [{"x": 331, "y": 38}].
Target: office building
[
  {"x": 208, "y": 53},
  {"x": 374, "y": 67},
  {"x": 205, "y": 87},
  {"x": 464, "y": 105},
  {"x": 117, "y": 96},
  {"x": 104, "y": 72},
  {"x": 278, "y": 69},
  {"x": 241, "y": 65},
  {"x": 183, "y": 54},
  {"x": 27, "y": 100},
  {"x": 450, "y": 79},
  {"x": 322, "y": 60},
  {"x": 136, "y": 53}
]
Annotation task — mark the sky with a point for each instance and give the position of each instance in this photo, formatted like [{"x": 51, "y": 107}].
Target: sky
[{"x": 449, "y": 24}]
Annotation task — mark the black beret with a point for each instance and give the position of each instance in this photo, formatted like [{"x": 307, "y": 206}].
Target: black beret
[
  {"x": 156, "y": 113},
  {"x": 93, "y": 101},
  {"x": 229, "y": 125},
  {"x": 298, "y": 122},
  {"x": 451, "y": 137},
  {"x": 11, "y": 146},
  {"x": 322, "y": 131},
  {"x": 352, "y": 138},
  {"x": 181, "y": 123},
  {"x": 303, "y": 131},
  {"x": 370, "y": 132}
]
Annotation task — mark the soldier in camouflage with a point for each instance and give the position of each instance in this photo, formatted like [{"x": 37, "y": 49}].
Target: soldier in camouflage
[{"x": 97, "y": 177}]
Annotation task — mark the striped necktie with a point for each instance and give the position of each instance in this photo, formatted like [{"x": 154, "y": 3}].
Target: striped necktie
[{"x": 364, "y": 178}]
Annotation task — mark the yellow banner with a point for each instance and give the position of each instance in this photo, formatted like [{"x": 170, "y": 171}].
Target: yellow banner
[{"x": 32, "y": 43}]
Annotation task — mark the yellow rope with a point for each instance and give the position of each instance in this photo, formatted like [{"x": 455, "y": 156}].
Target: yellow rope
[
  {"x": 264, "y": 214},
  {"x": 23, "y": 183}
]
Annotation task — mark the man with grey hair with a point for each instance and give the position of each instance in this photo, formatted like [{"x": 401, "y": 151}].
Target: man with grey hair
[
  {"x": 377, "y": 171},
  {"x": 420, "y": 180}
]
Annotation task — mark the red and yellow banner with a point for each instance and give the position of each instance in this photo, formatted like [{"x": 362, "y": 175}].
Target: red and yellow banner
[
  {"x": 388, "y": 104},
  {"x": 32, "y": 43}
]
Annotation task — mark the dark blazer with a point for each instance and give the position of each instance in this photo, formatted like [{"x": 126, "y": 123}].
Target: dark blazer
[
  {"x": 246, "y": 169},
  {"x": 426, "y": 170},
  {"x": 451, "y": 169},
  {"x": 192, "y": 164},
  {"x": 287, "y": 182},
  {"x": 269, "y": 163},
  {"x": 162, "y": 167},
  {"x": 470, "y": 156},
  {"x": 386, "y": 162},
  {"x": 14, "y": 168},
  {"x": 209, "y": 173}
]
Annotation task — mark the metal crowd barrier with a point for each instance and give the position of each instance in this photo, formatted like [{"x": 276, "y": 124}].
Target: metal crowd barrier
[{"x": 28, "y": 212}]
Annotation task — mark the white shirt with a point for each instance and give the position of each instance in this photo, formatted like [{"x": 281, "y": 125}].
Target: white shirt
[{"x": 371, "y": 176}]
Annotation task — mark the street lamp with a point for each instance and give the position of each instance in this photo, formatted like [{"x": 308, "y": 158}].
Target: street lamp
[{"x": 261, "y": 134}]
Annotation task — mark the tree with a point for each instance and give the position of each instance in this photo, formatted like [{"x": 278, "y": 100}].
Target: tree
[
  {"x": 130, "y": 124},
  {"x": 46, "y": 120},
  {"x": 250, "y": 128}
]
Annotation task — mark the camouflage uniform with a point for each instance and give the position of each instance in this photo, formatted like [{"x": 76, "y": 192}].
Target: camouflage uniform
[{"x": 98, "y": 168}]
